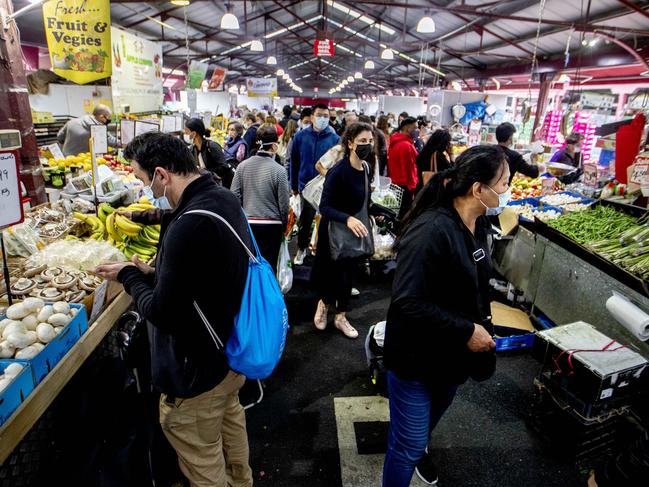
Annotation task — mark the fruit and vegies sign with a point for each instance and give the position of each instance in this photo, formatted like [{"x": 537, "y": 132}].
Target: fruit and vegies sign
[{"x": 78, "y": 38}]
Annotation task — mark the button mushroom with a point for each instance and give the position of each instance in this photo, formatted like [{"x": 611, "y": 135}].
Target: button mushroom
[
  {"x": 63, "y": 281},
  {"x": 51, "y": 273},
  {"x": 23, "y": 286},
  {"x": 34, "y": 270},
  {"x": 51, "y": 294}
]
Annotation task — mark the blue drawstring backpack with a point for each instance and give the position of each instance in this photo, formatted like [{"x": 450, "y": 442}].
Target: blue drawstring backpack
[{"x": 259, "y": 334}]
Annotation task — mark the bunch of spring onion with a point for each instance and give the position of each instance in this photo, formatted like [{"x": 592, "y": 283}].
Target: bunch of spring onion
[
  {"x": 630, "y": 250},
  {"x": 595, "y": 225}
]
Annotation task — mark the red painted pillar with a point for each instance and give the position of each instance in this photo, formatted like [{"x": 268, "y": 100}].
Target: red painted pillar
[{"x": 15, "y": 111}]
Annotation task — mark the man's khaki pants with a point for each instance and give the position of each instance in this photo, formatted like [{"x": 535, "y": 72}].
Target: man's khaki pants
[{"x": 209, "y": 435}]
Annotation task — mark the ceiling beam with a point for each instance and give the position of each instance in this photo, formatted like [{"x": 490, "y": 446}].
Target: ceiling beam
[{"x": 633, "y": 6}]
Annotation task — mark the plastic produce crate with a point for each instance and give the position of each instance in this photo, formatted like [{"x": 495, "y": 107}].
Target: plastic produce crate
[
  {"x": 512, "y": 338},
  {"x": 16, "y": 392},
  {"x": 43, "y": 363},
  {"x": 536, "y": 203}
]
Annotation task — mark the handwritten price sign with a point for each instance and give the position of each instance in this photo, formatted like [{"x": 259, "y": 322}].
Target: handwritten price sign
[{"x": 11, "y": 206}]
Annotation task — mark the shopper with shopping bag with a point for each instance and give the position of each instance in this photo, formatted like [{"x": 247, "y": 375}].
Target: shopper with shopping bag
[
  {"x": 344, "y": 234},
  {"x": 262, "y": 187},
  {"x": 438, "y": 330},
  {"x": 309, "y": 145},
  {"x": 199, "y": 264}
]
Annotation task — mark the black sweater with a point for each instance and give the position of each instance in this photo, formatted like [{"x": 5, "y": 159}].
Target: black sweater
[
  {"x": 518, "y": 164},
  {"x": 439, "y": 292},
  {"x": 198, "y": 259},
  {"x": 425, "y": 162}
]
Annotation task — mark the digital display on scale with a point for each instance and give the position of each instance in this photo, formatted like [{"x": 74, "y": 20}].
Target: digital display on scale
[{"x": 9, "y": 139}]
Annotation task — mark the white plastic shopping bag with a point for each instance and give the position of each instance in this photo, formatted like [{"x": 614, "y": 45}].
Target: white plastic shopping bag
[
  {"x": 312, "y": 192},
  {"x": 295, "y": 204},
  {"x": 284, "y": 269}
]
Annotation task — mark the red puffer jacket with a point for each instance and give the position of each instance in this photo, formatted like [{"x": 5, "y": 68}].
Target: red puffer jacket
[{"x": 402, "y": 161}]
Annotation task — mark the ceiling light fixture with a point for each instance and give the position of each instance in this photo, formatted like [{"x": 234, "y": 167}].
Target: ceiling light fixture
[
  {"x": 271, "y": 60},
  {"x": 256, "y": 46},
  {"x": 426, "y": 25},
  {"x": 350, "y": 78},
  {"x": 286, "y": 76},
  {"x": 180, "y": 3},
  {"x": 358, "y": 75},
  {"x": 369, "y": 64},
  {"x": 387, "y": 54},
  {"x": 229, "y": 20},
  {"x": 280, "y": 72}
]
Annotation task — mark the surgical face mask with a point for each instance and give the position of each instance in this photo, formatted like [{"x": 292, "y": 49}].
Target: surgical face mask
[
  {"x": 188, "y": 138},
  {"x": 363, "y": 151},
  {"x": 162, "y": 202},
  {"x": 503, "y": 199},
  {"x": 321, "y": 123}
]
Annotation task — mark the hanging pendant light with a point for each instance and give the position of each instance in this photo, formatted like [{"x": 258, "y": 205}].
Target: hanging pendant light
[
  {"x": 286, "y": 76},
  {"x": 350, "y": 78},
  {"x": 280, "y": 72},
  {"x": 426, "y": 25},
  {"x": 256, "y": 46},
  {"x": 369, "y": 64},
  {"x": 229, "y": 21},
  {"x": 387, "y": 54},
  {"x": 271, "y": 60},
  {"x": 358, "y": 75},
  {"x": 180, "y": 3}
]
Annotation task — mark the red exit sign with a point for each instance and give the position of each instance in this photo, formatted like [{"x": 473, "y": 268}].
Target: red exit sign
[{"x": 323, "y": 48}]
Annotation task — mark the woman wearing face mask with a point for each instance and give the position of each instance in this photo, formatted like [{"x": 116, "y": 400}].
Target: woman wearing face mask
[
  {"x": 435, "y": 156},
  {"x": 344, "y": 197},
  {"x": 438, "y": 331},
  {"x": 207, "y": 153},
  {"x": 262, "y": 187},
  {"x": 571, "y": 153}
]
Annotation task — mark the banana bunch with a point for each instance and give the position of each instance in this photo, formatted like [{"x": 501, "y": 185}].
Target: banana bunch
[
  {"x": 98, "y": 229},
  {"x": 130, "y": 237}
]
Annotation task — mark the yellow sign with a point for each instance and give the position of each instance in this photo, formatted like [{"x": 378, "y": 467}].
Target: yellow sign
[{"x": 78, "y": 37}]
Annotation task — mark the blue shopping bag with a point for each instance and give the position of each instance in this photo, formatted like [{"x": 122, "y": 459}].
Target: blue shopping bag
[{"x": 259, "y": 334}]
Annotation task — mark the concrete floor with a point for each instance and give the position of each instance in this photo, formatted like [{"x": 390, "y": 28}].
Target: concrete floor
[{"x": 322, "y": 424}]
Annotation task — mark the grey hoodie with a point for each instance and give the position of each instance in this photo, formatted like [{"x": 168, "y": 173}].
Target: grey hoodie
[{"x": 75, "y": 136}]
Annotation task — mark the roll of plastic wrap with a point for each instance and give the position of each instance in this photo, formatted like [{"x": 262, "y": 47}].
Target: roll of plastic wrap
[{"x": 629, "y": 315}]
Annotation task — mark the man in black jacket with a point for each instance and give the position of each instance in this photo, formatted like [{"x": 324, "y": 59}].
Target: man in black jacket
[
  {"x": 251, "y": 125},
  {"x": 200, "y": 265},
  {"x": 505, "y": 137}
]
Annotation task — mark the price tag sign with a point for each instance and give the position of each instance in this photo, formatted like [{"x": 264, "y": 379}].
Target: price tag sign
[
  {"x": 590, "y": 175},
  {"x": 99, "y": 134},
  {"x": 640, "y": 172},
  {"x": 547, "y": 185},
  {"x": 55, "y": 150},
  {"x": 126, "y": 131},
  {"x": 168, "y": 123},
  {"x": 98, "y": 300},
  {"x": 11, "y": 206}
]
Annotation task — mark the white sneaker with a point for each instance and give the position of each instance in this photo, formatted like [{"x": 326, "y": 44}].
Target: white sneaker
[
  {"x": 299, "y": 258},
  {"x": 355, "y": 292},
  {"x": 343, "y": 325}
]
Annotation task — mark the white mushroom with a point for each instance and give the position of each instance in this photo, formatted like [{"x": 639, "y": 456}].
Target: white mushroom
[
  {"x": 17, "y": 311},
  {"x": 45, "y": 313},
  {"x": 59, "y": 319},
  {"x": 58, "y": 329},
  {"x": 38, "y": 346},
  {"x": 22, "y": 340},
  {"x": 4, "y": 323},
  {"x": 45, "y": 332},
  {"x": 13, "y": 370},
  {"x": 30, "y": 322},
  {"x": 4, "y": 383},
  {"x": 61, "y": 307},
  {"x": 6, "y": 349},
  {"x": 14, "y": 327},
  {"x": 33, "y": 304},
  {"x": 28, "y": 353}
]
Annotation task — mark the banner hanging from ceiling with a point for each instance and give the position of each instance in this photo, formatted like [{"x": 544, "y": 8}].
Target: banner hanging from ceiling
[
  {"x": 261, "y": 86},
  {"x": 197, "y": 72},
  {"x": 137, "y": 72},
  {"x": 323, "y": 48},
  {"x": 78, "y": 38},
  {"x": 218, "y": 76}
]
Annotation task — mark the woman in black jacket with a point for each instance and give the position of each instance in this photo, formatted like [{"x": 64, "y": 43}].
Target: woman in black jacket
[
  {"x": 438, "y": 330},
  {"x": 345, "y": 200},
  {"x": 207, "y": 153},
  {"x": 436, "y": 152}
]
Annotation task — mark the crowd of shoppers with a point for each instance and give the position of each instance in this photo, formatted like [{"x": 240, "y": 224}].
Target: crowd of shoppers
[{"x": 436, "y": 336}]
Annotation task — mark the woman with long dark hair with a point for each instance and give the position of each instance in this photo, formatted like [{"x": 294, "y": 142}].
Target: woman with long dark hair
[
  {"x": 435, "y": 156},
  {"x": 345, "y": 200},
  {"x": 438, "y": 331}
]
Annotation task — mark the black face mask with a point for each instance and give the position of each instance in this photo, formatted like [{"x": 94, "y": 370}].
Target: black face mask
[{"x": 363, "y": 151}]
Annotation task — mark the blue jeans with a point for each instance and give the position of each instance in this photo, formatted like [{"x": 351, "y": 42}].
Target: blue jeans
[{"x": 415, "y": 410}]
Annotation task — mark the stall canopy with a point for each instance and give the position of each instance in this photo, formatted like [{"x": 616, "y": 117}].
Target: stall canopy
[{"x": 479, "y": 43}]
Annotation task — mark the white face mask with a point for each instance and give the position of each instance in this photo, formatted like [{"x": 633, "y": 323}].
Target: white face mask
[
  {"x": 188, "y": 138},
  {"x": 503, "y": 199},
  {"x": 321, "y": 123}
]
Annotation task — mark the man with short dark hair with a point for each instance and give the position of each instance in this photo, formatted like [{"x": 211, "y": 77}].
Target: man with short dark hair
[
  {"x": 74, "y": 136},
  {"x": 309, "y": 145},
  {"x": 402, "y": 161},
  {"x": 200, "y": 266},
  {"x": 305, "y": 118},
  {"x": 505, "y": 137}
]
